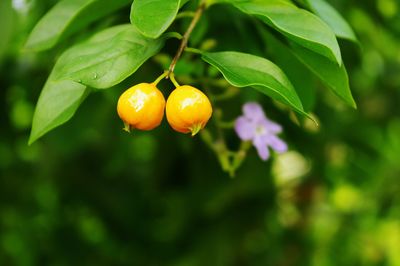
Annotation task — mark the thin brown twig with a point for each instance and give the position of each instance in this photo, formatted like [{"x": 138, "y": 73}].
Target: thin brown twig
[{"x": 186, "y": 36}]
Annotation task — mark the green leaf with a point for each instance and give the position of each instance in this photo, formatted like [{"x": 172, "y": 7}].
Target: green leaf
[
  {"x": 296, "y": 24},
  {"x": 329, "y": 14},
  {"x": 245, "y": 70},
  {"x": 108, "y": 57},
  {"x": 183, "y": 2},
  {"x": 153, "y": 17},
  {"x": 57, "y": 104},
  {"x": 104, "y": 60},
  {"x": 332, "y": 75},
  {"x": 68, "y": 17},
  {"x": 301, "y": 77}
]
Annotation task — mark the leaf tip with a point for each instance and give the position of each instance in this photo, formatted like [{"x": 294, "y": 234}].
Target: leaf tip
[
  {"x": 353, "y": 104},
  {"x": 313, "y": 119},
  {"x": 338, "y": 59},
  {"x": 31, "y": 139},
  {"x": 349, "y": 100}
]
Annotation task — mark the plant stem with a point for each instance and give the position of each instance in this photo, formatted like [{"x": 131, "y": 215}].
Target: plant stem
[
  {"x": 239, "y": 157},
  {"x": 163, "y": 75},
  {"x": 186, "y": 36},
  {"x": 193, "y": 50},
  {"x": 172, "y": 77}
]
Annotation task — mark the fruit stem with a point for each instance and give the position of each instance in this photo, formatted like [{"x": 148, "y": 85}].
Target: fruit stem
[
  {"x": 163, "y": 75},
  {"x": 173, "y": 80},
  {"x": 186, "y": 36}
]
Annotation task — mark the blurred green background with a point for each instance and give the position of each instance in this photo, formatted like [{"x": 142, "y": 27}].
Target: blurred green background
[{"x": 87, "y": 193}]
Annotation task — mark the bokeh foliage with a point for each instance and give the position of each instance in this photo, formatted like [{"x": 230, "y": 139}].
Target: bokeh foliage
[{"x": 89, "y": 194}]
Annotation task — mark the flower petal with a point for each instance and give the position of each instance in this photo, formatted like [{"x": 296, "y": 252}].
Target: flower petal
[
  {"x": 277, "y": 144},
  {"x": 271, "y": 127},
  {"x": 245, "y": 128},
  {"x": 262, "y": 147},
  {"x": 253, "y": 111}
]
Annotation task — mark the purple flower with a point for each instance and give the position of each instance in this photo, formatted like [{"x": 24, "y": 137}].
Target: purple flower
[{"x": 255, "y": 126}]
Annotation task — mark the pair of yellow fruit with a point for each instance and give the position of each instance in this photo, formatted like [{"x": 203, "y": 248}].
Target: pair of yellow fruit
[{"x": 142, "y": 107}]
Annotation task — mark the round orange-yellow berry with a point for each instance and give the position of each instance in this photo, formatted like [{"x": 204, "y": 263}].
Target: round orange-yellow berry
[
  {"x": 141, "y": 107},
  {"x": 188, "y": 109}
]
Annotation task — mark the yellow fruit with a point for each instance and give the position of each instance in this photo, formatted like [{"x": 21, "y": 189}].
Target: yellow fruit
[
  {"x": 141, "y": 107},
  {"x": 188, "y": 109}
]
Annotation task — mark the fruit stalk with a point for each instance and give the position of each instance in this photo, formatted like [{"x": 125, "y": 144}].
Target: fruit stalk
[{"x": 186, "y": 36}]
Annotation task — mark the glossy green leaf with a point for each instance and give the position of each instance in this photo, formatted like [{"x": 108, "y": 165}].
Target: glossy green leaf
[
  {"x": 246, "y": 70},
  {"x": 108, "y": 57},
  {"x": 153, "y": 17},
  {"x": 332, "y": 75},
  {"x": 57, "y": 104},
  {"x": 102, "y": 61},
  {"x": 67, "y": 17},
  {"x": 301, "y": 77},
  {"x": 295, "y": 23},
  {"x": 183, "y": 2},
  {"x": 329, "y": 14},
  {"x": 292, "y": 59}
]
